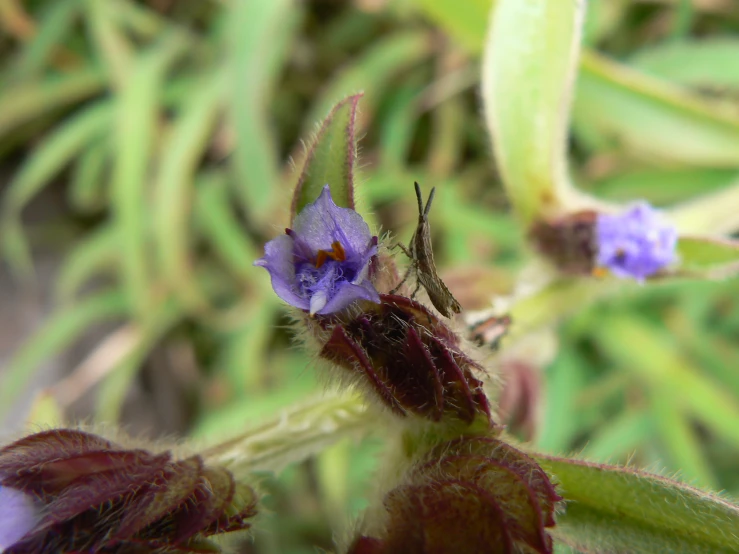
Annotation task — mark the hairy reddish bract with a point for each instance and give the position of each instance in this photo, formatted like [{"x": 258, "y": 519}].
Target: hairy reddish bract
[{"x": 96, "y": 496}]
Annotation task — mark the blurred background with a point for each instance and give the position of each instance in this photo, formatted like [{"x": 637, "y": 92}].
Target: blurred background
[{"x": 146, "y": 155}]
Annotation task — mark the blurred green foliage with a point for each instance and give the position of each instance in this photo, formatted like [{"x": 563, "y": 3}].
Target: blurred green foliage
[{"x": 172, "y": 130}]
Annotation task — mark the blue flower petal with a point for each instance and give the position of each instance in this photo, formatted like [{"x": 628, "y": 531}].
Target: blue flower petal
[
  {"x": 18, "y": 515},
  {"x": 636, "y": 243},
  {"x": 322, "y": 265}
]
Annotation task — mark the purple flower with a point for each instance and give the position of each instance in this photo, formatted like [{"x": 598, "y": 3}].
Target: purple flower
[
  {"x": 322, "y": 264},
  {"x": 636, "y": 243},
  {"x": 18, "y": 515}
]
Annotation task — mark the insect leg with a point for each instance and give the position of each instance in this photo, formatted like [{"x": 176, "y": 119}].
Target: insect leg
[
  {"x": 403, "y": 248},
  {"x": 405, "y": 278},
  {"x": 418, "y": 286}
]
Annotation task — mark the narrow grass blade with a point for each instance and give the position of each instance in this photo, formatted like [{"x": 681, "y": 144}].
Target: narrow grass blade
[
  {"x": 652, "y": 119},
  {"x": 57, "y": 333},
  {"x": 55, "y": 24},
  {"x": 137, "y": 111},
  {"x": 72, "y": 136},
  {"x": 372, "y": 73},
  {"x": 661, "y": 187},
  {"x": 254, "y": 70},
  {"x": 89, "y": 181},
  {"x": 620, "y": 437},
  {"x": 90, "y": 258},
  {"x": 173, "y": 188},
  {"x": 710, "y": 61},
  {"x": 243, "y": 359},
  {"x": 565, "y": 378},
  {"x": 116, "y": 52},
  {"x": 115, "y": 386},
  {"x": 217, "y": 223},
  {"x": 399, "y": 125},
  {"x": 32, "y": 100},
  {"x": 653, "y": 358},
  {"x": 679, "y": 440}
]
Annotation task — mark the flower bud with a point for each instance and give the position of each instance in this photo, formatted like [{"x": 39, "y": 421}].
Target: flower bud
[
  {"x": 636, "y": 243},
  {"x": 471, "y": 495},
  {"x": 408, "y": 359},
  {"x": 568, "y": 242},
  {"x": 91, "y": 495}
]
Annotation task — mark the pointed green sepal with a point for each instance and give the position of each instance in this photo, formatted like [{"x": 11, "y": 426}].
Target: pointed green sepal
[{"x": 331, "y": 159}]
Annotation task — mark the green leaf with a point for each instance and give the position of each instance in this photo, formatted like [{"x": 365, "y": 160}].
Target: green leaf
[
  {"x": 661, "y": 187},
  {"x": 711, "y": 214},
  {"x": 529, "y": 65},
  {"x": 173, "y": 188},
  {"x": 57, "y": 333},
  {"x": 710, "y": 61},
  {"x": 651, "y": 118},
  {"x": 331, "y": 159},
  {"x": 466, "y": 25},
  {"x": 254, "y": 70},
  {"x": 136, "y": 122},
  {"x": 618, "y": 509},
  {"x": 708, "y": 257}
]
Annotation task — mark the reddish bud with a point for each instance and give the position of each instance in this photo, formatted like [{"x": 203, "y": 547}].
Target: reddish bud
[
  {"x": 471, "y": 495},
  {"x": 520, "y": 397},
  {"x": 409, "y": 359},
  {"x": 95, "y": 496},
  {"x": 570, "y": 242}
]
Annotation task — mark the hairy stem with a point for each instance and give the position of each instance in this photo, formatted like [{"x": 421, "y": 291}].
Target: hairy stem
[{"x": 292, "y": 436}]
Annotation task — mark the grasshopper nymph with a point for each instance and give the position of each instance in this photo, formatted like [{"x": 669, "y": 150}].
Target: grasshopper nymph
[{"x": 422, "y": 262}]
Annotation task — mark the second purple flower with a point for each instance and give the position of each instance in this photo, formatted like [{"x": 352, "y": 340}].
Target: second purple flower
[{"x": 322, "y": 264}]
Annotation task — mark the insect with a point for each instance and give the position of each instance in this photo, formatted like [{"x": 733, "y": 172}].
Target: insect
[
  {"x": 422, "y": 262},
  {"x": 490, "y": 331}
]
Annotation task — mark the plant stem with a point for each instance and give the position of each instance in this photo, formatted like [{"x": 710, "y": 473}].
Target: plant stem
[{"x": 293, "y": 436}]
